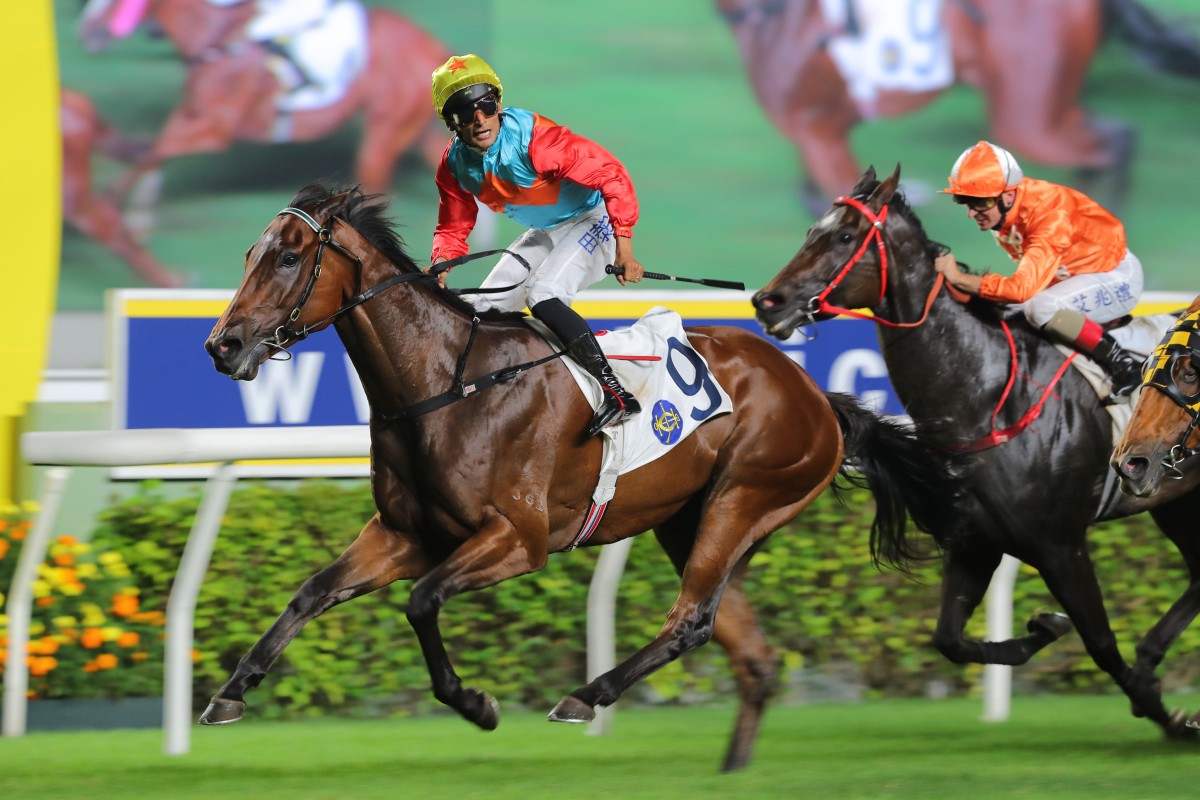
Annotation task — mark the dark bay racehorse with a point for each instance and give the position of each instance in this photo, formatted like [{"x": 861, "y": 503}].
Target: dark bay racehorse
[
  {"x": 484, "y": 489},
  {"x": 229, "y": 94},
  {"x": 1028, "y": 58},
  {"x": 1030, "y": 491}
]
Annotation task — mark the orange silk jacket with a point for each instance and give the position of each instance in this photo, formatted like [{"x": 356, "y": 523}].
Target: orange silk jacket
[{"x": 1053, "y": 232}]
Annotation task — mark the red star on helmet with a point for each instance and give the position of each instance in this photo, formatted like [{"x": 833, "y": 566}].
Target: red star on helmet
[{"x": 456, "y": 64}]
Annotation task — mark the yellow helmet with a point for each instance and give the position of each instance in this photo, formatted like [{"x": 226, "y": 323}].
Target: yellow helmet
[
  {"x": 984, "y": 170},
  {"x": 462, "y": 74}
]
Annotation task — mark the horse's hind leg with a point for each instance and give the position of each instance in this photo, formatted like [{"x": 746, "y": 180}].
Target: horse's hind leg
[
  {"x": 726, "y": 534},
  {"x": 376, "y": 558},
  {"x": 738, "y": 633},
  {"x": 965, "y": 579}
]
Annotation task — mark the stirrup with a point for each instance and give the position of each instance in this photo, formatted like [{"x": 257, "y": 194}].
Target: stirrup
[{"x": 615, "y": 409}]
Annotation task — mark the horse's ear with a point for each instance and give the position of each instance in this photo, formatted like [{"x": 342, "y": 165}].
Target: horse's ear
[
  {"x": 866, "y": 180},
  {"x": 328, "y": 209},
  {"x": 884, "y": 191}
]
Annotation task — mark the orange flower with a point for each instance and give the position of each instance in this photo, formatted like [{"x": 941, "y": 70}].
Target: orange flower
[
  {"x": 123, "y": 605},
  {"x": 67, "y": 540},
  {"x": 18, "y": 532},
  {"x": 41, "y": 665},
  {"x": 92, "y": 638},
  {"x": 43, "y": 602},
  {"x": 139, "y": 656},
  {"x": 106, "y": 661},
  {"x": 64, "y": 559},
  {"x": 90, "y": 667},
  {"x": 128, "y": 639},
  {"x": 3, "y": 547}
]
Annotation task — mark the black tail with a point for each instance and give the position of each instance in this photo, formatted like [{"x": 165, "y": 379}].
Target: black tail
[
  {"x": 884, "y": 456},
  {"x": 1158, "y": 44}
]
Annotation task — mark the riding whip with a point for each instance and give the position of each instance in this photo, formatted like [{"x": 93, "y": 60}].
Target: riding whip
[{"x": 658, "y": 276}]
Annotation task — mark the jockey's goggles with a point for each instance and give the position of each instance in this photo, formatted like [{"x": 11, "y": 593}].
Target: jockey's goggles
[
  {"x": 976, "y": 203},
  {"x": 465, "y": 115}
]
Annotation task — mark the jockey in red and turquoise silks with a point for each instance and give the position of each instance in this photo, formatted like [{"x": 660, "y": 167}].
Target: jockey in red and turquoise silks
[{"x": 576, "y": 199}]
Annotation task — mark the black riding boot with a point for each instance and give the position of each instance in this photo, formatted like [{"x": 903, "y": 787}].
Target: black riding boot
[
  {"x": 619, "y": 405},
  {"x": 581, "y": 343},
  {"x": 1124, "y": 367}
]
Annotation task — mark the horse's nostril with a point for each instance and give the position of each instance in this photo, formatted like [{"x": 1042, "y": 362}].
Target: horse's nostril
[{"x": 1135, "y": 467}]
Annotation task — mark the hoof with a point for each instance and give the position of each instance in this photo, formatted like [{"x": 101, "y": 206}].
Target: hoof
[
  {"x": 222, "y": 712},
  {"x": 1055, "y": 625},
  {"x": 571, "y": 709},
  {"x": 1182, "y": 726},
  {"x": 489, "y": 715}
]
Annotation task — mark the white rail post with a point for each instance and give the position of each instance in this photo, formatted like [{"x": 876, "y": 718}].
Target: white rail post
[
  {"x": 181, "y": 610},
  {"x": 997, "y": 678},
  {"x": 20, "y": 602},
  {"x": 601, "y": 625}
]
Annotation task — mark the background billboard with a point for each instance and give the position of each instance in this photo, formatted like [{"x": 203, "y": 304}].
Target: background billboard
[{"x": 664, "y": 86}]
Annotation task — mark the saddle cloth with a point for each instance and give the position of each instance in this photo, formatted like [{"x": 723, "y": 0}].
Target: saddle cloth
[
  {"x": 888, "y": 45},
  {"x": 653, "y": 359},
  {"x": 332, "y": 52},
  {"x": 1140, "y": 336}
]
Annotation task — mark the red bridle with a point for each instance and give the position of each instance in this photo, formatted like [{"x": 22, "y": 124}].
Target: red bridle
[{"x": 874, "y": 234}]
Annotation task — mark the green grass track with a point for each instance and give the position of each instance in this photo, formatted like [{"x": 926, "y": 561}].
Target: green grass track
[{"x": 1053, "y": 747}]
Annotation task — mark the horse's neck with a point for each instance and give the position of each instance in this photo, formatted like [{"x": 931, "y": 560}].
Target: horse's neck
[
  {"x": 404, "y": 342},
  {"x": 950, "y": 362}
]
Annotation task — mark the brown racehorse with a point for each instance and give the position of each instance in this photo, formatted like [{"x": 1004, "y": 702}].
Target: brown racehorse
[
  {"x": 1037, "y": 438},
  {"x": 481, "y": 490},
  {"x": 84, "y": 133},
  {"x": 229, "y": 94},
  {"x": 1162, "y": 434},
  {"x": 1028, "y": 57}
]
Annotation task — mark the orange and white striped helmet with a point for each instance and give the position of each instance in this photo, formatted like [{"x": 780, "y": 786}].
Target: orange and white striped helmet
[{"x": 984, "y": 170}]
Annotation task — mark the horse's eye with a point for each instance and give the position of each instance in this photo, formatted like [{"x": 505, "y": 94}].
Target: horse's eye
[
  {"x": 845, "y": 238},
  {"x": 289, "y": 260}
]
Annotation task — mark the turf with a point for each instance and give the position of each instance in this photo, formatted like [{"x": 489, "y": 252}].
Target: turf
[{"x": 1052, "y": 747}]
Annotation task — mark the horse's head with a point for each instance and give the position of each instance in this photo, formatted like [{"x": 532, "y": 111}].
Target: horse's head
[
  {"x": 194, "y": 26},
  {"x": 839, "y": 264},
  {"x": 1163, "y": 430},
  {"x": 297, "y": 276}
]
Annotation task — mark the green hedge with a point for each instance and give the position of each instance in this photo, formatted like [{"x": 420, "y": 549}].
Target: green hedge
[{"x": 839, "y": 625}]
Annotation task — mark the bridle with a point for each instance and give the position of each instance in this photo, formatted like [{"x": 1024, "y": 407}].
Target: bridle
[
  {"x": 287, "y": 334},
  {"x": 820, "y": 303},
  {"x": 1181, "y": 341}
]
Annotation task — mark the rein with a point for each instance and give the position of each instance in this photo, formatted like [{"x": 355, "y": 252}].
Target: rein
[
  {"x": 1183, "y": 339},
  {"x": 820, "y": 304},
  {"x": 285, "y": 334}
]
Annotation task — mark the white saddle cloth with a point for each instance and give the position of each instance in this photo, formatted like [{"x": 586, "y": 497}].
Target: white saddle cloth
[{"x": 653, "y": 359}]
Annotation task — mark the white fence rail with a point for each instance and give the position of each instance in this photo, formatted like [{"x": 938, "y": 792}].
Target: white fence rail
[{"x": 223, "y": 447}]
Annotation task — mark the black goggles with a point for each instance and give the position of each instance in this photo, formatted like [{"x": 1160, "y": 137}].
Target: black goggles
[
  {"x": 464, "y": 115},
  {"x": 976, "y": 203}
]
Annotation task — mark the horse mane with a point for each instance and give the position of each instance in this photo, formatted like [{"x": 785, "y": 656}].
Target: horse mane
[
  {"x": 366, "y": 213},
  {"x": 899, "y": 205}
]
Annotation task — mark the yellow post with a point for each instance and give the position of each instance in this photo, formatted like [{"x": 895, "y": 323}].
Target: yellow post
[{"x": 30, "y": 213}]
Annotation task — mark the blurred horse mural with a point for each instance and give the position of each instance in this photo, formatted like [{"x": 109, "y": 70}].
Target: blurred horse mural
[
  {"x": 232, "y": 94},
  {"x": 85, "y": 133},
  {"x": 810, "y": 64}
]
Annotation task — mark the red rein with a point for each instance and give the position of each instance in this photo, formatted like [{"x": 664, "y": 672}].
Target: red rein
[{"x": 996, "y": 437}]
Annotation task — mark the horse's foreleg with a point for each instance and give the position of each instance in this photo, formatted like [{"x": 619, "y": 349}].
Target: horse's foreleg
[
  {"x": 965, "y": 579},
  {"x": 376, "y": 558},
  {"x": 492, "y": 555},
  {"x": 1176, "y": 519}
]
